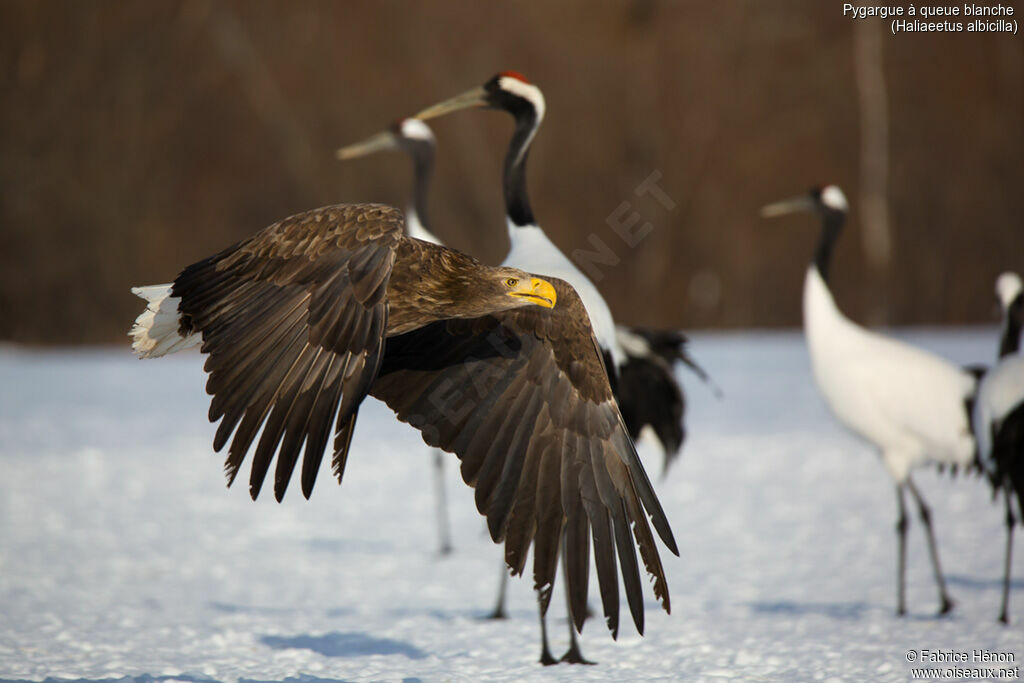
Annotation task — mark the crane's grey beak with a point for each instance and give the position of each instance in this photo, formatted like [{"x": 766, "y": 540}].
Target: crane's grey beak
[
  {"x": 374, "y": 143},
  {"x": 787, "y": 206},
  {"x": 477, "y": 97}
]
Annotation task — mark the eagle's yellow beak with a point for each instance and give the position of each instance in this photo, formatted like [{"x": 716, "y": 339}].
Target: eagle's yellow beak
[{"x": 536, "y": 291}]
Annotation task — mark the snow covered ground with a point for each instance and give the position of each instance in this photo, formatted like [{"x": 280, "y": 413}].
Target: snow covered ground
[{"x": 123, "y": 555}]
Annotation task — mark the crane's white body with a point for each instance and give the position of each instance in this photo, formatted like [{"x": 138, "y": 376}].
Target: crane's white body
[
  {"x": 414, "y": 228},
  {"x": 531, "y": 250},
  {"x": 906, "y": 401},
  {"x": 1000, "y": 392},
  {"x": 911, "y": 404}
]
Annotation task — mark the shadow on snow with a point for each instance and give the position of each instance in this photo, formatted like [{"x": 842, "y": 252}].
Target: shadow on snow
[
  {"x": 142, "y": 678},
  {"x": 232, "y": 608},
  {"x": 984, "y": 583},
  {"x": 834, "y": 610},
  {"x": 337, "y": 644}
]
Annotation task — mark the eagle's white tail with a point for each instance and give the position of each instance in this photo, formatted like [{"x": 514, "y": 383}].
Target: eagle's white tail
[{"x": 155, "y": 331}]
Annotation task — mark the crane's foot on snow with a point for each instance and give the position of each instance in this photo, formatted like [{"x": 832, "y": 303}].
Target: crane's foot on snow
[
  {"x": 574, "y": 656},
  {"x": 498, "y": 613},
  {"x": 946, "y": 607}
]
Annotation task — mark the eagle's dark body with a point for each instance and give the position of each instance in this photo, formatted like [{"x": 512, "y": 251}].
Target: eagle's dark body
[{"x": 305, "y": 319}]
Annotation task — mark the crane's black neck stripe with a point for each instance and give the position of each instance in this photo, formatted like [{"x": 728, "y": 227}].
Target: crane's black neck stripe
[
  {"x": 1010, "y": 342},
  {"x": 831, "y": 225},
  {"x": 517, "y": 201},
  {"x": 423, "y": 169}
]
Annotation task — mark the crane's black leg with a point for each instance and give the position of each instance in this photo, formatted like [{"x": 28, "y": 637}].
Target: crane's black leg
[
  {"x": 443, "y": 527},
  {"x": 545, "y": 652},
  {"x": 573, "y": 654},
  {"x": 499, "y": 606},
  {"x": 945, "y": 603},
  {"x": 901, "y": 557},
  {"x": 1004, "y": 615}
]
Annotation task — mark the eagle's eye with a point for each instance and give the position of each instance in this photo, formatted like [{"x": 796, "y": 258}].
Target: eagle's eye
[{"x": 511, "y": 282}]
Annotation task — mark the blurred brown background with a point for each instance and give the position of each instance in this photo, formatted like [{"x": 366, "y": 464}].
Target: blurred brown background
[{"x": 139, "y": 137}]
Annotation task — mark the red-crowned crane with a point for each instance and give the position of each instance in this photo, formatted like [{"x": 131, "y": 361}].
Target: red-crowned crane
[
  {"x": 909, "y": 403},
  {"x": 999, "y": 419},
  {"x": 415, "y": 138},
  {"x": 646, "y": 388}
]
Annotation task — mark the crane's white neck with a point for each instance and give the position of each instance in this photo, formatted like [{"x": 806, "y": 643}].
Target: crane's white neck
[
  {"x": 821, "y": 314},
  {"x": 414, "y": 227},
  {"x": 1010, "y": 292},
  {"x": 532, "y": 250}
]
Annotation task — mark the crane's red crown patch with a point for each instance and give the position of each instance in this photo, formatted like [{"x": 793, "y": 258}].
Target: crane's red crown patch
[{"x": 516, "y": 75}]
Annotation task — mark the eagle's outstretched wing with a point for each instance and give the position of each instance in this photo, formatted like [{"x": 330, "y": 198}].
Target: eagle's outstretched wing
[{"x": 523, "y": 399}]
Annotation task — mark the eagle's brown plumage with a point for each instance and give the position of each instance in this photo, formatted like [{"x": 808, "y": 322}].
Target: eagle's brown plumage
[
  {"x": 303, "y": 320},
  {"x": 523, "y": 399}
]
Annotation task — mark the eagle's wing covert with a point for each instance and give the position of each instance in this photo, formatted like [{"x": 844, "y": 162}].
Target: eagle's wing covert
[
  {"x": 293, "y": 322},
  {"x": 523, "y": 399}
]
